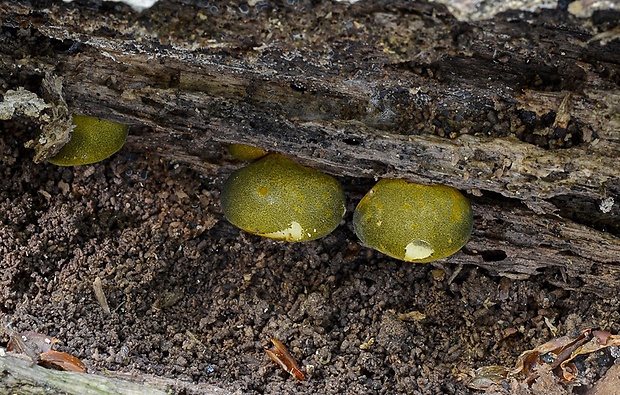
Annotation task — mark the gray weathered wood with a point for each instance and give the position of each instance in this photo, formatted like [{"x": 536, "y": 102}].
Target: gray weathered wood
[{"x": 19, "y": 375}]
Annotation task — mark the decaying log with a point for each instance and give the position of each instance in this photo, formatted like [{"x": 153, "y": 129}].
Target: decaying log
[
  {"x": 522, "y": 111},
  {"x": 18, "y": 375}
]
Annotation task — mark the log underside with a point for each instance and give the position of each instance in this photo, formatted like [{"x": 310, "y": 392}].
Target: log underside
[{"x": 522, "y": 111}]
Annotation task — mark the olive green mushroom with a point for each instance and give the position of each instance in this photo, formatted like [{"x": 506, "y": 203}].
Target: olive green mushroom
[
  {"x": 277, "y": 198},
  {"x": 245, "y": 152},
  {"x": 413, "y": 222},
  {"x": 92, "y": 140}
]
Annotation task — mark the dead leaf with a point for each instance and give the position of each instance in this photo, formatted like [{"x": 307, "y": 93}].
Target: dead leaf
[
  {"x": 554, "y": 356},
  {"x": 280, "y": 355},
  {"x": 31, "y": 344},
  {"x": 487, "y": 376},
  {"x": 38, "y": 347},
  {"x": 62, "y": 361}
]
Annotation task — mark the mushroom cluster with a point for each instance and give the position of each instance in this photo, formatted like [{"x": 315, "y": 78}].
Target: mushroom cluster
[{"x": 277, "y": 198}]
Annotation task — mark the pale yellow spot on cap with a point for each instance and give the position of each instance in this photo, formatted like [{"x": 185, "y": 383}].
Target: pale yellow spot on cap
[
  {"x": 418, "y": 249},
  {"x": 293, "y": 233}
]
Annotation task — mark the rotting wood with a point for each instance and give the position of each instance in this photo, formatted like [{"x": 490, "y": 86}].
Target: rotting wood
[
  {"x": 523, "y": 111},
  {"x": 19, "y": 375}
]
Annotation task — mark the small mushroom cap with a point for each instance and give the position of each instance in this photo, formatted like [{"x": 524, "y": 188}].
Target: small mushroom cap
[
  {"x": 245, "y": 152},
  {"x": 92, "y": 140},
  {"x": 277, "y": 198},
  {"x": 413, "y": 222}
]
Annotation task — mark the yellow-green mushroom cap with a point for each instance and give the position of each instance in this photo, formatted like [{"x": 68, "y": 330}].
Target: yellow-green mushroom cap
[
  {"x": 245, "y": 152},
  {"x": 92, "y": 140},
  {"x": 413, "y": 222},
  {"x": 277, "y": 198}
]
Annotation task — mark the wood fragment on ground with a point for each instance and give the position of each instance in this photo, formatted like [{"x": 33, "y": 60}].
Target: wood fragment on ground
[{"x": 17, "y": 371}]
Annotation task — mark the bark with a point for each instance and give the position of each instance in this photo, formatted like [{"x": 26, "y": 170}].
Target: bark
[
  {"x": 19, "y": 375},
  {"x": 521, "y": 111}
]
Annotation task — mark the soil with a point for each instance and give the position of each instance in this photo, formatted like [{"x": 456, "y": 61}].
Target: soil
[{"x": 195, "y": 299}]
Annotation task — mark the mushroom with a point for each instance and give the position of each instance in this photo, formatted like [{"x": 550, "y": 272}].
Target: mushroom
[
  {"x": 413, "y": 222},
  {"x": 277, "y": 198},
  {"x": 92, "y": 140},
  {"x": 245, "y": 152}
]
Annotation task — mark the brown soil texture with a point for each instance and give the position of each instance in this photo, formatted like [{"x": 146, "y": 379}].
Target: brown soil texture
[{"x": 195, "y": 299}]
